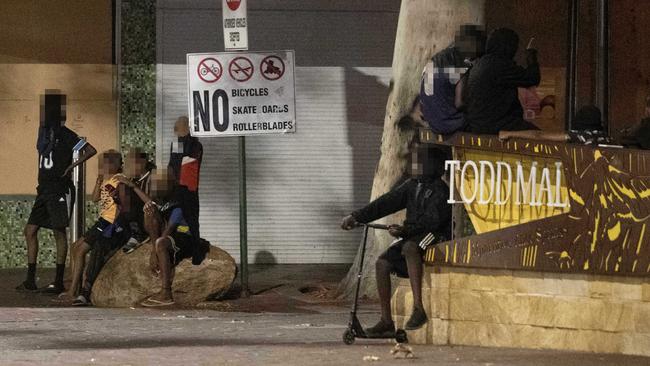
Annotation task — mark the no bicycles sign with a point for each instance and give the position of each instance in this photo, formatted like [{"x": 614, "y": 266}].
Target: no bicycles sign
[{"x": 238, "y": 94}]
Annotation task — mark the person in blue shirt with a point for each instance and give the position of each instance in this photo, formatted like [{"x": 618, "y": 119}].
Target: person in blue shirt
[
  {"x": 441, "y": 76},
  {"x": 169, "y": 232}
]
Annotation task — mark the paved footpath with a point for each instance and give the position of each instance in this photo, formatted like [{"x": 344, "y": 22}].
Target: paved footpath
[{"x": 90, "y": 336}]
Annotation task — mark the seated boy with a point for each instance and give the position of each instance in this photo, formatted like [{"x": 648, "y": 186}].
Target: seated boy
[
  {"x": 169, "y": 233},
  {"x": 106, "y": 232},
  {"x": 427, "y": 212},
  {"x": 130, "y": 219}
]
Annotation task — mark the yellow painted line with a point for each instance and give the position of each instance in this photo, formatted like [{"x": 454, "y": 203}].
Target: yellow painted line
[
  {"x": 447, "y": 253},
  {"x": 638, "y": 246},
  {"x": 455, "y": 246},
  {"x": 634, "y": 265},
  {"x": 594, "y": 233},
  {"x": 535, "y": 256},
  {"x": 469, "y": 250}
]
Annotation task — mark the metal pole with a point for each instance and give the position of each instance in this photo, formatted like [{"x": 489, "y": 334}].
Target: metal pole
[
  {"x": 573, "y": 64},
  {"x": 243, "y": 233},
  {"x": 78, "y": 209},
  {"x": 603, "y": 60}
]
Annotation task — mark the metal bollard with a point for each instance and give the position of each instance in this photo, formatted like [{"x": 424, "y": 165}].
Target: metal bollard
[{"x": 78, "y": 219}]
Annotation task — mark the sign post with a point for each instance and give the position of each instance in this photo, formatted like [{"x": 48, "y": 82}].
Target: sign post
[
  {"x": 235, "y": 37},
  {"x": 240, "y": 94}
]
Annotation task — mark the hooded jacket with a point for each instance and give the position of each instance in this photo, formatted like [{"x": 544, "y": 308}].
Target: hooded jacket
[
  {"x": 490, "y": 95},
  {"x": 425, "y": 201}
]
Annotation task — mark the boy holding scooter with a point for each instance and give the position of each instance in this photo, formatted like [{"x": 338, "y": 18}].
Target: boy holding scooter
[{"x": 428, "y": 220}]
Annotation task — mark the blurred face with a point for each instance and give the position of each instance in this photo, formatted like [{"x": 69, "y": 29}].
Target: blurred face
[
  {"x": 468, "y": 44},
  {"x": 182, "y": 127},
  {"x": 134, "y": 165},
  {"x": 109, "y": 164},
  {"x": 415, "y": 165},
  {"x": 160, "y": 184}
]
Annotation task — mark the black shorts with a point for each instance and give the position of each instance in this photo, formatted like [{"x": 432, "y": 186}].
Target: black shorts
[
  {"x": 52, "y": 210},
  {"x": 181, "y": 248},
  {"x": 97, "y": 235},
  {"x": 397, "y": 260}
]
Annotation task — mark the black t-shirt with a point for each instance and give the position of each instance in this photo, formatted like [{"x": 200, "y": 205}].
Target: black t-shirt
[{"x": 52, "y": 166}]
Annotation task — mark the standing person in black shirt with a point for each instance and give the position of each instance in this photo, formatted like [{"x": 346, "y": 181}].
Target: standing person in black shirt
[
  {"x": 490, "y": 98},
  {"x": 428, "y": 220},
  {"x": 185, "y": 165},
  {"x": 55, "y": 194}
]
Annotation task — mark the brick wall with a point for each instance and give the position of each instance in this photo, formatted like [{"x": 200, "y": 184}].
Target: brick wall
[{"x": 501, "y": 308}]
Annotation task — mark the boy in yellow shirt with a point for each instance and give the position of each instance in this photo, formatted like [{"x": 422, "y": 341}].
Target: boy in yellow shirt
[{"x": 109, "y": 193}]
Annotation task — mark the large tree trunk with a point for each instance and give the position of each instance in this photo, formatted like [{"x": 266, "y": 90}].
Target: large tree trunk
[{"x": 424, "y": 27}]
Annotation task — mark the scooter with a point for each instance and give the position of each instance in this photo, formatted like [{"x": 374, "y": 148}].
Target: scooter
[{"x": 355, "y": 330}]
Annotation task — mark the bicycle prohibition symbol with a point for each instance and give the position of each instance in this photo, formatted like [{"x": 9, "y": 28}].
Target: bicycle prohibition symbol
[{"x": 209, "y": 70}]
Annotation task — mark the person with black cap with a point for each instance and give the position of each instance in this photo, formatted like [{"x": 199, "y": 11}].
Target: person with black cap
[
  {"x": 55, "y": 194},
  {"x": 490, "y": 97},
  {"x": 428, "y": 220},
  {"x": 184, "y": 165},
  {"x": 586, "y": 128},
  {"x": 638, "y": 135}
]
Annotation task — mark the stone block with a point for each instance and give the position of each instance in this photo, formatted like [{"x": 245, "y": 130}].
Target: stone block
[
  {"x": 645, "y": 292},
  {"x": 437, "y": 277},
  {"x": 438, "y": 303},
  {"x": 599, "y": 288},
  {"x": 631, "y": 291},
  {"x": 526, "y": 336},
  {"x": 485, "y": 280},
  {"x": 641, "y": 317},
  {"x": 636, "y": 344}
]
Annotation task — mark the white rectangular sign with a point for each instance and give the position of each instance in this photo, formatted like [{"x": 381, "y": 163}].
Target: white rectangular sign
[
  {"x": 235, "y": 25},
  {"x": 241, "y": 93}
]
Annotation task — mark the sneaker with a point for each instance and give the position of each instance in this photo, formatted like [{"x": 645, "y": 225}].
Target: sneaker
[
  {"x": 417, "y": 320},
  {"x": 27, "y": 286},
  {"x": 81, "y": 300},
  {"x": 131, "y": 245},
  {"x": 381, "y": 330},
  {"x": 52, "y": 289}
]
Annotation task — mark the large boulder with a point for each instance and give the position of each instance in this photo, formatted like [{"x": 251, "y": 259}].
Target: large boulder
[{"x": 126, "y": 279}]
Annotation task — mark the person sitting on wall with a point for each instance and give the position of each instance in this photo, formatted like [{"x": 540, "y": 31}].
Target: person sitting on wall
[
  {"x": 131, "y": 218},
  {"x": 490, "y": 96},
  {"x": 586, "y": 128},
  {"x": 440, "y": 88},
  {"x": 185, "y": 160},
  {"x": 55, "y": 194},
  {"x": 107, "y": 233},
  {"x": 169, "y": 233},
  {"x": 638, "y": 135},
  {"x": 427, "y": 212}
]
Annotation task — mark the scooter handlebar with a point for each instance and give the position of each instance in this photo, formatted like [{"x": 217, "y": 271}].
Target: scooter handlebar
[{"x": 375, "y": 226}]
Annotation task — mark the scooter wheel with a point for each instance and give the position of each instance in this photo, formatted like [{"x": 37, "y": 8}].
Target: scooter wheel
[
  {"x": 400, "y": 336},
  {"x": 348, "y": 337}
]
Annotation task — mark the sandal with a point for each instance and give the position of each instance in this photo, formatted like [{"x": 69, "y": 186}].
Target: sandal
[{"x": 152, "y": 303}]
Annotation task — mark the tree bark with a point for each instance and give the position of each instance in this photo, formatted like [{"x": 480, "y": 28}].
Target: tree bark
[{"x": 424, "y": 28}]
